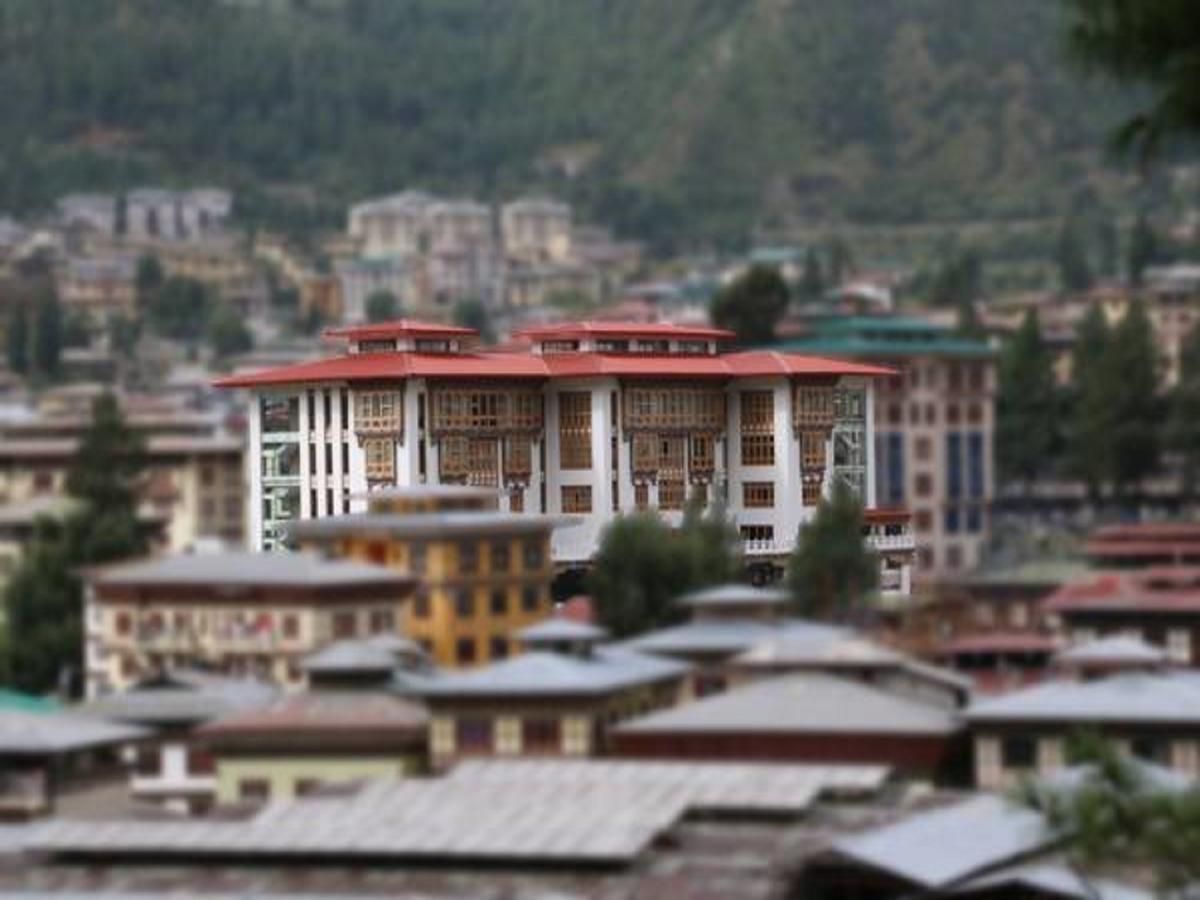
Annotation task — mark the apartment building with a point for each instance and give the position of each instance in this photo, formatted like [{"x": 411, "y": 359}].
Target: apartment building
[
  {"x": 484, "y": 573},
  {"x": 536, "y": 230},
  {"x": 246, "y": 614},
  {"x": 99, "y": 287},
  {"x": 159, "y": 214},
  {"x": 935, "y": 421},
  {"x": 97, "y": 212},
  {"x": 595, "y": 420}
]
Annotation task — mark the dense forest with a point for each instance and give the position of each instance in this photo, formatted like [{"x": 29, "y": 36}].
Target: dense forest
[{"x": 693, "y": 118}]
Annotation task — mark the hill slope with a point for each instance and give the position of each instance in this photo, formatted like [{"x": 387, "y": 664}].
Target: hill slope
[{"x": 700, "y": 117}]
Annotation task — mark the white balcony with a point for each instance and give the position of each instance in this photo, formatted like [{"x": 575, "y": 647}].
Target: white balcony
[{"x": 891, "y": 543}]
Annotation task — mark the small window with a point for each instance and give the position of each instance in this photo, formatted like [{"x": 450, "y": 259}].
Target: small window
[
  {"x": 577, "y": 498},
  {"x": 468, "y": 558},
  {"x": 421, "y": 604},
  {"x": 501, "y": 556},
  {"x": 464, "y": 650},
  {"x": 254, "y": 789},
  {"x": 464, "y": 604},
  {"x": 758, "y": 494},
  {"x": 499, "y": 602},
  {"x": 473, "y": 735},
  {"x": 641, "y": 496},
  {"x": 344, "y": 625},
  {"x": 535, "y": 555},
  {"x": 529, "y": 598},
  {"x": 1018, "y": 752},
  {"x": 498, "y": 647},
  {"x": 291, "y": 626},
  {"x": 671, "y": 494},
  {"x": 541, "y": 735}
]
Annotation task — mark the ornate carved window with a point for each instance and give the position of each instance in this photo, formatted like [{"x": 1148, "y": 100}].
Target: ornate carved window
[
  {"x": 758, "y": 494},
  {"x": 575, "y": 430},
  {"x": 672, "y": 492},
  {"x": 812, "y": 451},
  {"x": 486, "y": 410},
  {"x": 671, "y": 457},
  {"x": 674, "y": 408},
  {"x": 577, "y": 498},
  {"x": 702, "y": 455},
  {"x": 483, "y": 461},
  {"x": 645, "y": 453},
  {"x": 380, "y": 456},
  {"x": 811, "y": 490},
  {"x": 812, "y": 407},
  {"x": 758, "y": 428},
  {"x": 378, "y": 412},
  {"x": 453, "y": 458},
  {"x": 518, "y": 458}
]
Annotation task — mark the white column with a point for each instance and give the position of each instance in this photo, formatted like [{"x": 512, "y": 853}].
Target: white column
[
  {"x": 869, "y": 438},
  {"x": 306, "y": 451},
  {"x": 254, "y": 471}
]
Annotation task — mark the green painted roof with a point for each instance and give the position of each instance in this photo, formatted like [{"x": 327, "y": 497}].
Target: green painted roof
[
  {"x": 885, "y": 336},
  {"x": 11, "y": 701}
]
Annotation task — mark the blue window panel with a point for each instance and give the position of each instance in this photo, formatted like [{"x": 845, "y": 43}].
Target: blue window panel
[
  {"x": 974, "y": 519},
  {"x": 895, "y": 465},
  {"x": 975, "y": 464},
  {"x": 954, "y": 484},
  {"x": 952, "y": 520}
]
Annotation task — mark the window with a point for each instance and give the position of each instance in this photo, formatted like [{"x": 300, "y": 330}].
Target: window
[
  {"x": 952, "y": 520},
  {"x": 676, "y": 407},
  {"x": 923, "y": 520},
  {"x": 974, "y": 519},
  {"x": 814, "y": 407},
  {"x": 894, "y": 444},
  {"x": 575, "y": 430},
  {"x": 380, "y": 454},
  {"x": 501, "y": 557},
  {"x": 975, "y": 473},
  {"x": 464, "y": 650},
  {"x": 468, "y": 558},
  {"x": 473, "y": 735},
  {"x": 758, "y": 428},
  {"x": 254, "y": 789},
  {"x": 671, "y": 451},
  {"x": 954, "y": 465},
  {"x": 641, "y": 496},
  {"x": 542, "y": 735},
  {"x": 1018, "y": 752},
  {"x": 812, "y": 451},
  {"x": 672, "y": 493},
  {"x": 702, "y": 459},
  {"x": 516, "y": 500},
  {"x": 535, "y": 555},
  {"x": 464, "y": 603},
  {"x": 954, "y": 557},
  {"x": 577, "y": 498},
  {"x": 498, "y": 647},
  {"x": 382, "y": 621},
  {"x": 924, "y": 485},
  {"x": 291, "y": 626},
  {"x": 922, "y": 449},
  {"x": 421, "y": 604},
  {"x": 1152, "y": 749},
  {"x": 124, "y": 623},
  {"x": 279, "y": 414},
  {"x": 306, "y": 786},
  {"x": 758, "y": 494},
  {"x": 529, "y": 598},
  {"x": 377, "y": 411},
  {"x": 344, "y": 625},
  {"x": 498, "y": 603},
  {"x": 758, "y": 534}
]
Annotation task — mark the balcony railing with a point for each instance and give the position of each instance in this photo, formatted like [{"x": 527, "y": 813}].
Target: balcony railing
[{"x": 892, "y": 542}]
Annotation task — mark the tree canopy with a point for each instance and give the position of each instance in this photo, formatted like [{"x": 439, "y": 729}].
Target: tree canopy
[
  {"x": 752, "y": 304},
  {"x": 1027, "y": 404},
  {"x": 831, "y": 574},
  {"x": 382, "y": 306}
]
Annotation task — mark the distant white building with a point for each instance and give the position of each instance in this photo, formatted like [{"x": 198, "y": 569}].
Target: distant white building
[
  {"x": 156, "y": 214},
  {"x": 360, "y": 278},
  {"x": 97, "y": 212},
  {"x": 536, "y": 230}
]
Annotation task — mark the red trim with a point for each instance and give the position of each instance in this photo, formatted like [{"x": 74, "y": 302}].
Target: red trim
[
  {"x": 400, "y": 328},
  {"x": 886, "y": 516},
  {"x": 625, "y": 329}
]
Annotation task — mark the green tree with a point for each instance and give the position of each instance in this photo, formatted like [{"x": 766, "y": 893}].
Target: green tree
[
  {"x": 471, "y": 313},
  {"x": 148, "y": 281},
  {"x": 831, "y": 573},
  {"x": 643, "y": 565},
  {"x": 18, "y": 339},
  {"x": 382, "y": 306},
  {"x": 1074, "y": 270},
  {"x": 751, "y": 305},
  {"x": 1153, "y": 44},
  {"x": 228, "y": 334},
  {"x": 1109, "y": 239},
  {"x": 76, "y": 331},
  {"x": 841, "y": 261},
  {"x": 47, "y": 334},
  {"x": 1133, "y": 368},
  {"x": 122, "y": 334},
  {"x": 1183, "y": 426},
  {"x": 812, "y": 280},
  {"x": 44, "y": 599},
  {"x": 1091, "y": 422},
  {"x": 180, "y": 308},
  {"x": 1027, "y": 404},
  {"x": 1120, "y": 815},
  {"x": 1143, "y": 249},
  {"x": 958, "y": 280}
]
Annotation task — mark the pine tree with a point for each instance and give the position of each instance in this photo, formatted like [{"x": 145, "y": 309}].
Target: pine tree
[
  {"x": 752, "y": 305},
  {"x": 812, "y": 281},
  {"x": 1074, "y": 270},
  {"x": 382, "y": 306},
  {"x": 1183, "y": 428},
  {"x": 18, "y": 340},
  {"x": 831, "y": 574},
  {"x": 1109, "y": 238},
  {"x": 1027, "y": 404},
  {"x": 1133, "y": 368},
  {"x": 471, "y": 313},
  {"x": 841, "y": 261},
  {"x": 1089, "y": 436},
  {"x": 47, "y": 334},
  {"x": 1143, "y": 249}
]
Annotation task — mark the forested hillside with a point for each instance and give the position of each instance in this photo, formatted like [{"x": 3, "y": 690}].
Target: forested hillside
[{"x": 692, "y": 117}]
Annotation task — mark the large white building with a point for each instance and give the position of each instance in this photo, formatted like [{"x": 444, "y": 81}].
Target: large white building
[{"x": 595, "y": 420}]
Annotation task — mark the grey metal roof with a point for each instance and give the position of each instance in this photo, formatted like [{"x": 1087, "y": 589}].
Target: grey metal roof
[
  {"x": 725, "y": 635},
  {"x": 734, "y": 595},
  {"x": 182, "y": 698},
  {"x": 500, "y": 810},
  {"x": 427, "y": 525},
  {"x": 1121, "y": 648},
  {"x": 938, "y": 848},
  {"x": 805, "y": 647},
  {"x": 806, "y": 703},
  {"x": 240, "y": 568},
  {"x": 553, "y": 674},
  {"x": 351, "y": 655},
  {"x": 45, "y": 733},
  {"x": 1172, "y": 698},
  {"x": 430, "y": 492},
  {"x": 557, "y": 628},
  {"x": 1053, "y": 878}
]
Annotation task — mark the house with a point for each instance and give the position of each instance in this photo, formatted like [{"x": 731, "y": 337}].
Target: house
[
  {"x": 306, "y": 741},
  {"x": 1155, "y": 716},
  {"x": 809, "y": 717},
  {"x": 484, "y": 573},
  {"x": 559, "y": 698},
  {"x": 934, "y": 426},
  {"x": 230, "y": 612},
  {"x": 1160, "y": 604},
  {"x": 97, "y": 212},
  {"x": 1143, "y": 545},
  {"x": 171, "y": 771},
  {"x": 536, "y": 230},
  {"x": 99, "y": 288},
  {"x": 998, "y": 661}
]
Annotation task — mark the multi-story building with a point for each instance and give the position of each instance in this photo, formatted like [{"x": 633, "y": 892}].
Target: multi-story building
[
  {"x": 595, "y": 420},
  {"x": 100, "y": 287},
  {"x": 97, "y": 212},
  {"x": 236, "y": 613},
  {"x": 535, "y": 230},
  {"x": 484, "y": 573},
  {"x": 358, "y": 279},
  {"x": 157, "y": 214},
  {"x": 935, "y": 421}
]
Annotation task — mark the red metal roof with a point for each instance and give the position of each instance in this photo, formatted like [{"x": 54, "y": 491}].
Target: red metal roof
[
  {"x": 395, "y": 328},
  {"x": 564, "y": 330},
  {"x": 999, "y": 642},
  {"x": 883, "y": 515},
  {"x": 1157, "y": 589},
  {"x": 1149, "y": 531},
  {"x": 397, "y": 365}
]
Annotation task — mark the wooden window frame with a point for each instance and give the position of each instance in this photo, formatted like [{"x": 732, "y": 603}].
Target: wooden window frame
[
  {"x": 758, "y": 494},
  {"x": 575, "y": 430},
  {"x": 576, "y": 498}
]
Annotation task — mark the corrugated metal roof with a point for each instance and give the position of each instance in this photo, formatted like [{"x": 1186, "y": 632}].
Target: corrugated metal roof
[
  {"x": 1052, "y": 878},
  {"x": 727, "y": 635},
  {"x": 180, "y": 698},
  {"x": 249, "y": 569},
  {"x": 428, "y": 525},
  {"x": 556, "y": 628},
  {"x": 734, "y": 595},
  {"x": 1172, "y": 698},
  {"x": 810, "y": 703},
  {"x": 1121, "y": 648},
  {"x": 45, "y": 733}
]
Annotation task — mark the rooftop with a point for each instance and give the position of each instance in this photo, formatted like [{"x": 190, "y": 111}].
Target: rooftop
[
  {"x": 999, "y": 642},
  {"x": 1133, "y": 697},
  {"x": 728, "y": 636},
  {"x": 427, "y": 525},
  {"x": 180, "y": 698},
  {"x": 397, "y": 328},
  {"x": 659, "y": 330},
  {"x": 43, "y": 733},
  {"x": 810, "y": 703},
  {"x": 327, "y": 714},
  {"x": 886, "y": 336},
  {"x": 248, "y": 569},
  {"x": 374, "y": 654},
  {"x": 1160, "y": 589},
  {"x": 734, "y": 595},
  {"x": 604, "y": 671},
  {"x": 560, "y": 629},
  {"x": 1121, "y": 649}
]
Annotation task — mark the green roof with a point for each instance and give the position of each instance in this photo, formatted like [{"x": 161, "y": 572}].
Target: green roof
[
  {"x": 15, "y": 701},
  {"x": 886, "y": 336}
]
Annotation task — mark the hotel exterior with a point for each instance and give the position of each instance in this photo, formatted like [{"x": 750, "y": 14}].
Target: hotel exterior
[{"x": 594, "y": 420}]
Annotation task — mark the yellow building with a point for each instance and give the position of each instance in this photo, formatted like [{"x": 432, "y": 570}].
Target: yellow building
[
  {"x": 484, "y": 573},
  {"x": 248, "y": 614}
]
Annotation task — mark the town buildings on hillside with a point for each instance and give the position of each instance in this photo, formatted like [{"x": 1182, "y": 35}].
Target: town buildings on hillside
[
  {"x": 595, "y": 419},
  {"x": 934, "y": 428}
]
